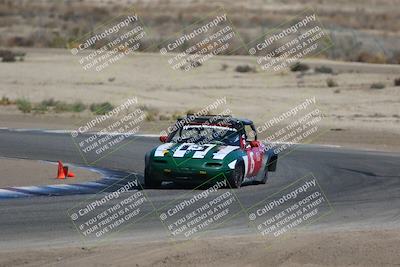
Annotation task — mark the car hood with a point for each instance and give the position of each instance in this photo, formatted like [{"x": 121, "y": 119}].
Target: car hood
[{"x": 194, "y": 151}]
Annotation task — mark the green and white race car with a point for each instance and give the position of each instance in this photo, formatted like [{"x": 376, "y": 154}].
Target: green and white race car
[{"x": 209, "y": 149}]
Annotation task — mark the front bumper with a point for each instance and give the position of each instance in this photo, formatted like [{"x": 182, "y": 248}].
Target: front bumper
[{"x": 192, "y": 172}]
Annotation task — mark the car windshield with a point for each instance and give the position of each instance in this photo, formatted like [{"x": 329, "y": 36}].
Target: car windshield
[{"x": 207, "y": 134}]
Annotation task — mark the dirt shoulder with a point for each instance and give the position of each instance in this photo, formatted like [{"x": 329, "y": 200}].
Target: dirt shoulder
[
  {"x": 347, "y": 248},
  {"x": 20, "y": 172}
]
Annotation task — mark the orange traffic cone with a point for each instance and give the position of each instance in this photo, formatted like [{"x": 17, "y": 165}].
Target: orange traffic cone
[
  {"x": 68, "y": 173},
  {"x": 63, "y": 172},
  {"x": 60, "y": 171}
]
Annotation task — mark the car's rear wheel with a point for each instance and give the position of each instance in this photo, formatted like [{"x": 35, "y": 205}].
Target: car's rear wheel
[
  {"x": 271, "y": 166},
  {"x": 149, "y": 182},
  {"x": 236, "y": 179}
]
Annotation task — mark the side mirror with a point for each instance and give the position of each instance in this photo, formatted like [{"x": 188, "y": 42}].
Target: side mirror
[
  {"x": 254, "y": 143},
  {"x": 163, "y": 138}
]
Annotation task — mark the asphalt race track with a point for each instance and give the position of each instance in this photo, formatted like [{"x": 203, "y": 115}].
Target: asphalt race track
[{"x": 363, "y": 188}]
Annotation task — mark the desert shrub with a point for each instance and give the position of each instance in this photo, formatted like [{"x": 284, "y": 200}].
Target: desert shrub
[
  {"x": 146, "y": 108},
  {"x": 7, "y": 56},
  {"x": 58, "y": 42},
  {"x": 101, "y": 108},
  {"x": 299, "y": 67},
  {"x": 40, "y": 108},
  {"x": 395, "y": 59},
  {"x": 176, "y": 115},
  {"x": 151, "y": 113},
  {"x": 323, "y": 69},
  {"x": 78, "y": 107},
  {"x": 224, "y": 67},
  {"x": 24, "y": 105},
  {"x": 190, "y": 111},
  {"x": 377, "y": 85},
  {"x": 245, "y": 68},
  {"x": 337, "y": 91},
  {"x": 397, "y": 82},
  {"x": 61, "y": 106},
  {"x": 195, "y": 64},
  {"x": 19, "y": 54},
  {"x": 163, "y": 117},
  {"x": 10, "y": 56},
  {"x": 151, "y": 117},
  {"x": 367, "y": 57},
  {"x": 50, "y": 102},
  {"x": 20, "y": 41},
  {"x": 5, "y": 101},
  {"x": 331, "y": 83}
]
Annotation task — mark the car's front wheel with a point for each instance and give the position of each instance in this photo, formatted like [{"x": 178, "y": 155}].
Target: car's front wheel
[
  {"x": 149, "y": 182},
  {"x": 236, "y": 178}
]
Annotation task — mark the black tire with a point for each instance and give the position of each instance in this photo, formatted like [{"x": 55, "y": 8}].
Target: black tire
[
  {"x": 265, "y": 178},
  {"x": 235, "y": 180},
  {"x": 273, "y": 163},
  {"x": 148, "y": 181}
]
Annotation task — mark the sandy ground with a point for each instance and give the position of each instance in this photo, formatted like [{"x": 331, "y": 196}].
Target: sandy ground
[
  {"x": 346, "y": 248},
  {"x": 56, "y": 73},
  {"x": 19, "y": 172},
  {"x": 358, "y": 115}
]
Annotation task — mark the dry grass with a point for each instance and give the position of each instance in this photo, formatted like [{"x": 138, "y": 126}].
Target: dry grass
[{"x": 62, "y": 22}]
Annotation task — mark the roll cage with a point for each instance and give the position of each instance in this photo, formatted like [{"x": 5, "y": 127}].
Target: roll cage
[{"x": 215, "y": 120}]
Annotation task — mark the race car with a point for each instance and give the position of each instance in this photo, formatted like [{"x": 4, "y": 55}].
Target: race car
[{"x": 209, "y": 149}]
